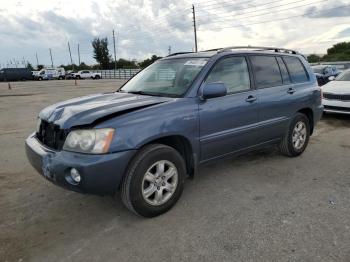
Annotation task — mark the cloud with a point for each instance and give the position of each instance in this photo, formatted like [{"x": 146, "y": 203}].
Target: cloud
[
  {"x": 344, "y": 33},
  {"x": 146, "y": 27},
  {"x": 328, "y": 11}
]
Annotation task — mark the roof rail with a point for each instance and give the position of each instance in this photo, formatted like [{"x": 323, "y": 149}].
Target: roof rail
[
  {"x": 259, "y": 48},
  {"x": 179, "y": 53}
]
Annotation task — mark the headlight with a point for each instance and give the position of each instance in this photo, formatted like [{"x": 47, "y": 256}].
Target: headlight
[{"x": 94, "y": 141}]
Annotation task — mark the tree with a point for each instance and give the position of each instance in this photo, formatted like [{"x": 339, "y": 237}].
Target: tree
[
  {"x": 313, "y": 58},
  {"x": 30, "y": 67},
  {"x": 39, "y": 67},
  {"x": 84, "y": 66},
  {"x": 101, "y": 52},
  {"x": 125, "y": 64},
  {"x": 338, "y": 52},
  {"x": 149, "y": 61}
]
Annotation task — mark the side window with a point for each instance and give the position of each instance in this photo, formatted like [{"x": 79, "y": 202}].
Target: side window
[
  {"x": 266, "y": 70},
  {"x": 233, "y": 72},
  {"x": 296, "y": 70},
  {"x": 284, "y": 71}
]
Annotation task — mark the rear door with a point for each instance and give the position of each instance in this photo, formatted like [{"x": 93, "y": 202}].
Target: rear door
[
  {"x": 280, "y": 90},
  {"x": 273, "y": 84},
  {"x": 228, "y": 124}
]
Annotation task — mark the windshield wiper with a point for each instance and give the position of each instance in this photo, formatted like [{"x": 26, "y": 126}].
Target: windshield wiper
[{"x": 139, "y": 92}]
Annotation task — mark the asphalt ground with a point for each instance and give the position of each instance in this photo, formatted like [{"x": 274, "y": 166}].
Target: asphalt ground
[{"x": 258, "y": 207}]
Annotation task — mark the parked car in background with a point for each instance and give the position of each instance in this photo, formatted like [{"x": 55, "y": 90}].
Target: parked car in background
[
  {"x": 84, "y": 74},
  {"x": 323, "y": 72},
  {"x": 15, "y": 74},
  {"x": 50, "y": 74},
  {"x": 70, "y": 74},
  {"x": 336, "y": 94},
  {"x": 182, "y": 111}
]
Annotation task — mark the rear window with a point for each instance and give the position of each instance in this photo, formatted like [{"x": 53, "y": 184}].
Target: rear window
[
  {"x": 266, "y": 70},
  {"x": 296, "y": 70}
]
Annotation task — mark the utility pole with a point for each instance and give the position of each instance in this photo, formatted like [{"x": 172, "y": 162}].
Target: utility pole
[
  {"x": 70, "y": 54},
  {"x": 51, "y": 58},
  {"x": 115, "y": 56},
  {"x": 194, "y": 28},
  {"x": 79, "y": 54},
  {"x": 37, "y": 60},
  {"x": 169, "y": 49}
]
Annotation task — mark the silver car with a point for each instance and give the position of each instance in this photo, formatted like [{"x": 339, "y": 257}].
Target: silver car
[{"x": 336, "y": 94}]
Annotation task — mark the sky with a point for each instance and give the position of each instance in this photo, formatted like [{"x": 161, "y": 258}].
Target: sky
[{"x": 147, "y": 27}]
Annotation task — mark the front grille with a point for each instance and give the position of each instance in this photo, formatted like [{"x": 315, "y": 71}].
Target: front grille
[
  {"x": 336, "y": 97},
  {"x": 51, "y": 135},
  {"x": 344, "y": 109}
]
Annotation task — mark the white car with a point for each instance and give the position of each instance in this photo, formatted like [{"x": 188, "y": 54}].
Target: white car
[
  {"x": 336, "y": 94},
  {"x": 84, "y": 74}
]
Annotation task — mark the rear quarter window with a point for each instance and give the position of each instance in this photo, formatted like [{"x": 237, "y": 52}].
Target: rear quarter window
[
  {"x": 296, "y": 70},
  {"x": 266, "y": 71}
]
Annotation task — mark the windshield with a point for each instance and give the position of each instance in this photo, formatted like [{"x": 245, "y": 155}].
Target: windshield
[
  {"x": 345, "y": 76},
  {"x": 170, "y": 77}
]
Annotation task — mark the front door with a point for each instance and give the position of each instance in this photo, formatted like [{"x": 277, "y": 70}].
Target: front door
[{"x": 228, "y": 124}]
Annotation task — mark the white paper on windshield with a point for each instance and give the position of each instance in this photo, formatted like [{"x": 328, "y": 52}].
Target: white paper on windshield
[{"x": 197, "y": 62}]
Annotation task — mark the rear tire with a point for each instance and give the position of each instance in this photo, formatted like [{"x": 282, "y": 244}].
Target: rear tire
[
  {"x": 297, "y": 136},
  {"x": 154, "y": 180}
]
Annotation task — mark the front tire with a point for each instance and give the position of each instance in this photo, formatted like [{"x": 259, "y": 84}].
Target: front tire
[
  {"x": 154, "y": 180},
  {"x": 297, "y": 136}
]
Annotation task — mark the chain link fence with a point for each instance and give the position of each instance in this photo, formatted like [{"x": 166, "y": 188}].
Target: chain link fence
[{"x": 117, "y": 74}]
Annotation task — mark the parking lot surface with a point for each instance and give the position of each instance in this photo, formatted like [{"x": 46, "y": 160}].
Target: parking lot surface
[{"x": 258, "y": 207}]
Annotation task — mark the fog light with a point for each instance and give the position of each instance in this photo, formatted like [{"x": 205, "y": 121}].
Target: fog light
[{"x": 74, "y": 174}]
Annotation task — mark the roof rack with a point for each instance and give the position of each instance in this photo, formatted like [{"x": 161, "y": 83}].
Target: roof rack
[
  {"x": 257, "y": 48},
  {"x": 179, "y": 53}
]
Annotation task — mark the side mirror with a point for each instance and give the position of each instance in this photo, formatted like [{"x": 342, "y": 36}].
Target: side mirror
[
  {"x": 331, "y": 78},
  {"x": 212, "y": 90}
]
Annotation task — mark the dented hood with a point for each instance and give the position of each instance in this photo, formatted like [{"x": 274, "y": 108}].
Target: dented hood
[{"x": 86, "y": 110}]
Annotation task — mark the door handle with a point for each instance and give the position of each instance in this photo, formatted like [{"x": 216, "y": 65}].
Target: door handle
[
  {"x": 291, "y": 91},
  {"x": 250, "y": 99}
]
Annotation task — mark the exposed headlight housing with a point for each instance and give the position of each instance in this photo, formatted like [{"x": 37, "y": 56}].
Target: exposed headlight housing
[
  {"x": 92, "y": 141},
  {"x": 38, "y": 124}
]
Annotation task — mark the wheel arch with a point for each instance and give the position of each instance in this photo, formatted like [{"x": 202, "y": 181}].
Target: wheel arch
[
  {"x": 182, "y": 145},
  {"x": 307, "y": 111}
]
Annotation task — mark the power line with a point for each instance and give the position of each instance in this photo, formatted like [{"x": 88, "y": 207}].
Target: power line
[
  {"x": 253, "y": 11},
  {"x": 242, "y": 8},
  {"x": 267, "y": 13},
  {"x": 220, "y": 3},
  {"x": 275, "y": 20}
]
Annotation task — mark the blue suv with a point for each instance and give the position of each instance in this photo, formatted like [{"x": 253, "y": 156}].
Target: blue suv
[{"x": 183, "y": 111}]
